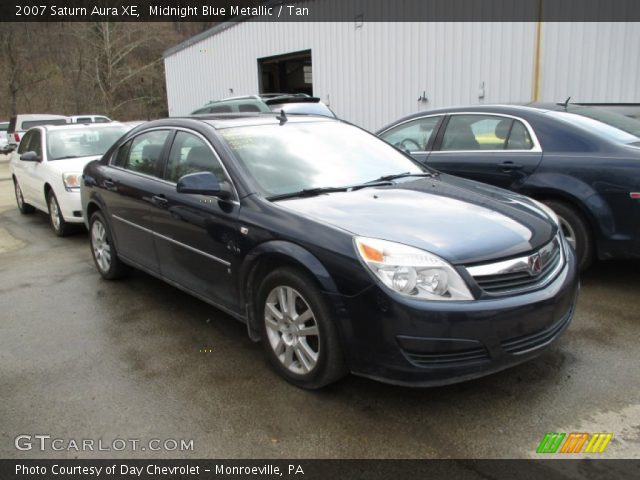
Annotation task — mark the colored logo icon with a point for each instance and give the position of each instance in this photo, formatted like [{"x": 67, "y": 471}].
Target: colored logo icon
[{"x": 574, "y": 442}]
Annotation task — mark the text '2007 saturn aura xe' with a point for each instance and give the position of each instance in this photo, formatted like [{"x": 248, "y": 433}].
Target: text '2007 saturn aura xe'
[{"x": 340, "y": 252}]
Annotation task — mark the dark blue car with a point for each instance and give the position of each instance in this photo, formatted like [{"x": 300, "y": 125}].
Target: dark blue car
[
  {"x": 582, "y": 162},
  {"x": 339, "y": 252}
]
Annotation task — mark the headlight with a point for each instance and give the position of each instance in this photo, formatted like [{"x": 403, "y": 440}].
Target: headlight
[
  {"x": 71, "y": 180},
  {"x": 410, "y": 271},
  {"x": 548, "y": 211}
]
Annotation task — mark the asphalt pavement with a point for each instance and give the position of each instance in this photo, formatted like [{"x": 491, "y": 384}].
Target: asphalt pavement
[{"x": 83, "y": 358}]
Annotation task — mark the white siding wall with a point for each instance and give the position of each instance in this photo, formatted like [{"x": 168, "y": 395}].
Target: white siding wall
[
  {"x": 374, "y": 74},
  {"x": 591, "y": 62}
]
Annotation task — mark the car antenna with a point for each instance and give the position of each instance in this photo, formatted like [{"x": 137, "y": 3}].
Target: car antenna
[
  {"x": 282, "y": 117},
  {"x": 566, "y": 103}
]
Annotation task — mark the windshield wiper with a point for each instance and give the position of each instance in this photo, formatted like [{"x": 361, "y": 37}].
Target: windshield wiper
[
  {"x": 311, "y": 192},
  {"x": 308, "y": 192},
  {"x": 387, "y": 178},
  {"x": 66, "y": 157}
]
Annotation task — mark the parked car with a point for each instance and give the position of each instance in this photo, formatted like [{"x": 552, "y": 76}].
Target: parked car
[
  {"x": 88, "y": 119},
  {"x": 339, "y": 251},
  {"x": 19, "y": 124},
  {"x": 297, "y": 103},
  {"x": 47, "y": 166},
  {"x": 579, "y": 161},
  {"x": 4, "y": 138}
]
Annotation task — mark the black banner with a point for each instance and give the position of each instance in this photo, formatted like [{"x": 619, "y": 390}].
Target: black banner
[
  {"x": 319, "y": 469},
  {"x": 321, "y": 10}
]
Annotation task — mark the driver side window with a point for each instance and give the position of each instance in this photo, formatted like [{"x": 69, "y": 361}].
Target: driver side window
[{"x": 413, "y": 135}]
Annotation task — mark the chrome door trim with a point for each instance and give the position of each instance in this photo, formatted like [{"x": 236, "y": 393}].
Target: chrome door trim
[{"x": 169, "y": 239}]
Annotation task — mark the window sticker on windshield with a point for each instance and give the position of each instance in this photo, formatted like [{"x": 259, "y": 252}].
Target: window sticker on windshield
[
  {"x": 240, "y": 141},
  {"x": 91, "y": 137}
]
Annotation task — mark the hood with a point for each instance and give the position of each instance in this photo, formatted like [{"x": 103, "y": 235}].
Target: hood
[
  {"x": 460, "y": 220},
  {"x": 72, "y": 164}
]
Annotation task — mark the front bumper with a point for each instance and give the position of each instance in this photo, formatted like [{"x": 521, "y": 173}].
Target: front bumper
[
  {"x": 70, "y": 205},
  {"x": 417, "y": 343}
]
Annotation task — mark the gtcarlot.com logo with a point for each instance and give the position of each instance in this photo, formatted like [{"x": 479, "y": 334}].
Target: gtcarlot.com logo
[
  {"x": 43, "y": 443},
  {"x": 553, "y": 442}
]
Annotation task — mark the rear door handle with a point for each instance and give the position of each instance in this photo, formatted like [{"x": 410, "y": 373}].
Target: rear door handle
[
  {"x": 509, "y": 166},
  {"x": 160, "y": 201}
]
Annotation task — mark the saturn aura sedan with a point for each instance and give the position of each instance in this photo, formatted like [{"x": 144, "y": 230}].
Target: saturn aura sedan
[
  {"x": 47, "y": 166},
  {"x": 339, "y": 252},
  {"x": 580, "y": 161}
]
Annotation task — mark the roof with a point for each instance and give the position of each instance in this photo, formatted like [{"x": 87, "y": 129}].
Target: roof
[
  {"x": 230, "y": 120},
  {"x": 221, "y": 27}
]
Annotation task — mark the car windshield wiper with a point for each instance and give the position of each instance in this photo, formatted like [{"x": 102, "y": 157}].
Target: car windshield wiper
[
  {"x": 66, "y": 157},
  {"x": 386, "y": 178},
  {"x": 308, "y": 192},
  {"x": 311, "y": 192}
]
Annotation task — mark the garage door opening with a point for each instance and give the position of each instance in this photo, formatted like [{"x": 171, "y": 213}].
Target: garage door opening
[{"x": 290, "y": 73}]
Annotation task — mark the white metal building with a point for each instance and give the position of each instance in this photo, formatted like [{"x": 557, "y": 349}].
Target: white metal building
[{"x": 373, "y": 73}]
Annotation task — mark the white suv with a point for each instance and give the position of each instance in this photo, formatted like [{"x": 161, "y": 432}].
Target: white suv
[
  {"x": 19, "y": 124},
  {"x": 88, "y": 119},
  {"x": 48, "y": 164}
]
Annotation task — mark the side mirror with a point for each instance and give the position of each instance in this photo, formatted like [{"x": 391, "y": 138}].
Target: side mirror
[
  {"x": 203, "y": 183},
  {"x": 30, "y": 157}
]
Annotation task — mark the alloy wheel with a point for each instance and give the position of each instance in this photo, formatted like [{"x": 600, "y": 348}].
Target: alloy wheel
[
  {"x": 100, "y": 246},
  {"x": 292, "y": 330},
  {"x": 19, "y": 197},
  {"x": 54, "y": 213},
  {"x": 568, "y": 231}
]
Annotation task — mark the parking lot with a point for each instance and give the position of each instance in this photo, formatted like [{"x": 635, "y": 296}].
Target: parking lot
[{"x": 85, "y": 358}]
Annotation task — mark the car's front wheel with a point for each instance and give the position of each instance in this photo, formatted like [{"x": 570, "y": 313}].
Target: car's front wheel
[
  {"x": 298, "y": 332},
  {"x": 103, "y": 249},
  {"x": 576, "y": 231},
  {"x": 59, "y": 224},
  {"x": 23, "y": 206}
]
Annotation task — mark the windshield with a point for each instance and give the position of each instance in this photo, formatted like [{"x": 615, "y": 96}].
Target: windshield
[
  {"x": 81, "y": 142},
  {"x": 601, "y": 124},
  {"x": 300, "y": 156}
]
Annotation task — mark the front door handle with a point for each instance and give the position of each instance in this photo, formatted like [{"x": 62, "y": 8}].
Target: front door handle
[
  {"x": 160, "y": 201},
  {"x": 109, "y": 184},
  {"x": 509, "y": 166}
]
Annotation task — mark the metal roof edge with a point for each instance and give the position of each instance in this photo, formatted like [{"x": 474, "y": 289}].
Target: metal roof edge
[{"x": 213, "y": 31}]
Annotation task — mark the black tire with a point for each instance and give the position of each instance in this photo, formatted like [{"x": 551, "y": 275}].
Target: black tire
[
  {"x": 329, "y": 364},
  {"x": 58, "y": 223},
  {"x": 24, "y": 207},
  {"x": 115, "y": 268},
  {"x": 576, "y": 230}
]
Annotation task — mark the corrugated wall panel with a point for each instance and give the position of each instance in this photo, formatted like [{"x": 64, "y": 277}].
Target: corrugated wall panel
[
  {"x": 591, "y": 62},
  {"x": 373, "y": 74}
]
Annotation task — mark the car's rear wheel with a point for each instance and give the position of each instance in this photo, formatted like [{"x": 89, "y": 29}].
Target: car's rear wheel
[
  {"x": 60, "y": 226},
  {"x": 576, "y": 231},
  {"x": 23, "y": 206},
  {"x": 298, "y": 333},
  {"x": 103, "y": 249}
]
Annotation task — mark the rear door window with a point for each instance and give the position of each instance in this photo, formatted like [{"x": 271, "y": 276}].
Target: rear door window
[{"x": 485, "y": 132}]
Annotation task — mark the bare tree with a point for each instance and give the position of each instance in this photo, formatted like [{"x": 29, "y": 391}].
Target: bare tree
[
  {"x": 22, "y": 70},
  {"x": 116, "y": 66}
]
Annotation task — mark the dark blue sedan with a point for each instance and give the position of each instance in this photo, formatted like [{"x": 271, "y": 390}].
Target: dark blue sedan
[
  {"x": 582, "y": 162},
  {"x": 338, "y": 251}
]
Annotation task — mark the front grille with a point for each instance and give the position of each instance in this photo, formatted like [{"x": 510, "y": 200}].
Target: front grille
[
  {"x": 520, "y": 274},
  {"x": 472, "y": 355}
]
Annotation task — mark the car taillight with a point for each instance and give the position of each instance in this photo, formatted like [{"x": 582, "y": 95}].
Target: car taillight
[{"x": 16, "y": 136}]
